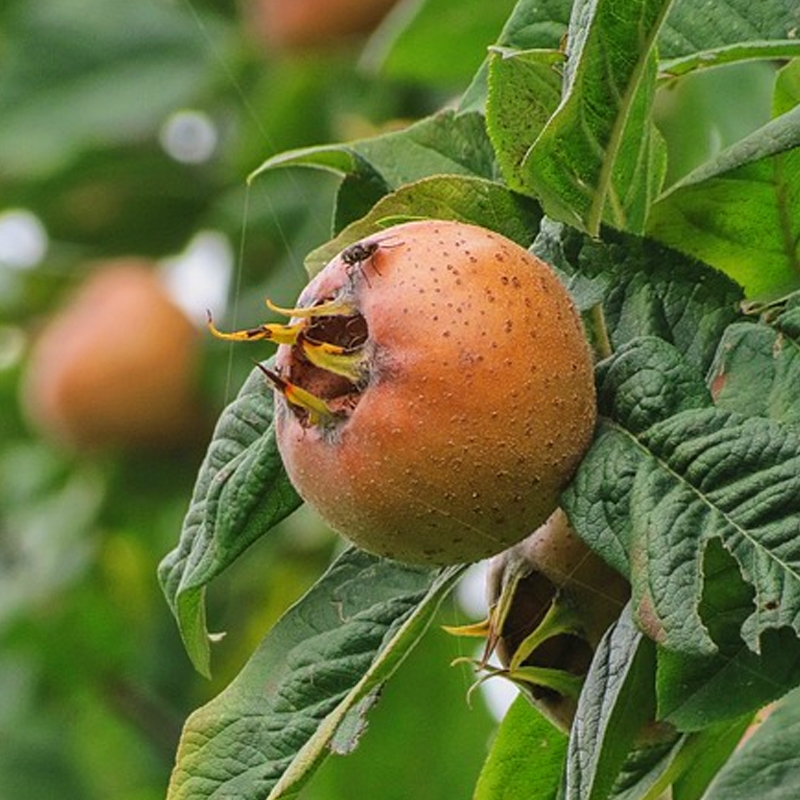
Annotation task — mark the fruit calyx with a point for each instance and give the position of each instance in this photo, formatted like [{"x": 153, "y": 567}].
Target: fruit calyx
[
  {"x": 328, "y": 368},
  {"x": 551, "y": 600}
]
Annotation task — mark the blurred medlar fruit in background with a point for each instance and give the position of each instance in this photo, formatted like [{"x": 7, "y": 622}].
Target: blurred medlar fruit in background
[
  {"x": 116, "y": 366},
  {"x": 288, "y": 24},
  {"x": 434, "y": 392}
]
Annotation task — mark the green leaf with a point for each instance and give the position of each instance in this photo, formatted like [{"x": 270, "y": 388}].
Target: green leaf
[
  {"x": 729, "y": 54},
  {"x": 767, "y": 765},
  {"x": 703, "y": 754},
  {"x": 241, "y": 492},
  {"x": 651, "y": 502},
  {"x": 424, "y": 722},
  {"x": 524, "y": 91},
  {"x": 599, "y": 157},
  {"x": 325, "y": 658},
  {"x": 445, "y": 143},
  {"x": 536, "y": 25},
  {"x": 435, "y": 41},
  {"x": 740, "y": 211},
  {"x": 757, "y": 371},
  {"x": 652, "y": 494},
  {"x": 533, "y": 25},
  {"x": 467, "y": 199},
  {"x": 527, "y": 757},
  {"x": 685, "y": 762},
  {"x": 617, "y": 700},
  {"x": 649, "y": 766},
  {"x": 645, "y": 381},
  {"x": 711, "y": 474},
  {"x": 726, "y": 31},
  {"x": 725, "y": 22},
  {"x": 645, "y": 288},
  {"x": 697, "y": 691}
]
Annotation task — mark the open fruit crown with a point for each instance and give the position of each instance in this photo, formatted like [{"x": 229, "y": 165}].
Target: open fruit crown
[{"x": 328, "y": 339}]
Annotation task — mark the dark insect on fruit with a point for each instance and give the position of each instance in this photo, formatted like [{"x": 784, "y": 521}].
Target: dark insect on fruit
[{"x": 355, "y": 255}]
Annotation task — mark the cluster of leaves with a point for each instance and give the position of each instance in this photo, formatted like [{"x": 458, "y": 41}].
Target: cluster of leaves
[{"x": 691, "y": 486}]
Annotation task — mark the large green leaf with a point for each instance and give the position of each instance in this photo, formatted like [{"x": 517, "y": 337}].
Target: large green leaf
[
  {"x": 645, "y": 289},
  {"x": 646, "y": 381},
  {"x": 757, "y": 369},
  {"x": 310, "y": 683},
  {"x": 766, "y": 766},
  {"x": 527, "y": 757},
  {"x": 533, "y": 25},
  {"x": 740, "y": 212},
  {"x": 241, "y": 491},
  {"x": 703, "y": 755},
  {"x": 691, "y": 28},
  {"x": 617, "y": 700},
  {"x": 652, "y": 499},
  {"x": 436, "y": 41},
  {"x": 722, "y": 32},
  {"x": 425, "y": 722},
  {"x": 524, "y": 91},
  {"x": 697, "y": 691},
  {"x": 599, "y": 157},
  {"x": 466, "y": 199},
  {"x": 446, "y": 143},
  {"x": 730, "y": 54},
  {"x": 710, "y": 474},
  {"x": 685, "y": 762}
]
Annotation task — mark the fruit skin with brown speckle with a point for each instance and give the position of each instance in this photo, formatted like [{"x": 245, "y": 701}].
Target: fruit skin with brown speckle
[{"x": 475, "y": 405}]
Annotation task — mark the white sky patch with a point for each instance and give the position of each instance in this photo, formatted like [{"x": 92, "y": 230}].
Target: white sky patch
[
  {"x": 198, "y": 279},
  {"x": 23, "y": 239},
  {"x": 471, "y": 591},
  {"x": 189, "y": 136}
]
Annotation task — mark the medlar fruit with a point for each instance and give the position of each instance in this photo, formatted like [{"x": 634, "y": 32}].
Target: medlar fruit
[
  {"x": 434, "y": 392},
  {"x": 117, "y": 366}
]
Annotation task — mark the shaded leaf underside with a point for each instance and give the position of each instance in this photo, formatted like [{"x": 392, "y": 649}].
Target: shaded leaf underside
[{"x": 270, "y": 729}]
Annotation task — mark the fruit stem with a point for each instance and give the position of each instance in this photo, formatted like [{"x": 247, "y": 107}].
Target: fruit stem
[{"x": 599, "y": 332}]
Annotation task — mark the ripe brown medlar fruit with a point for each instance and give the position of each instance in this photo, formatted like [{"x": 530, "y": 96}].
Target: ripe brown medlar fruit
[{"x": 434, "y": 392}]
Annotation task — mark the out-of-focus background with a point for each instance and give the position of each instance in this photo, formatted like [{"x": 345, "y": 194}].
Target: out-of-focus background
[{"x": 127, "y": 131}]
